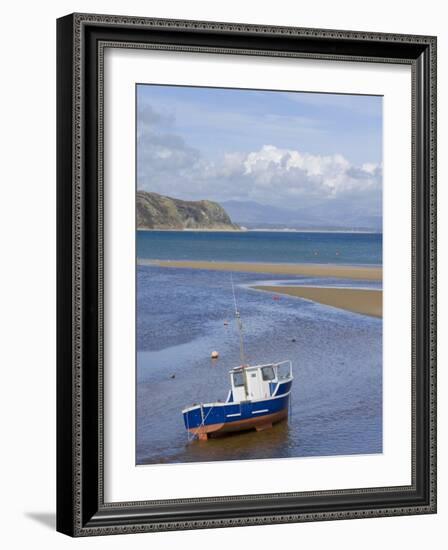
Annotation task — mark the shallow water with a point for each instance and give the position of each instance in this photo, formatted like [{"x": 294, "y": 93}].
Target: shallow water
[{"x": 336, "y": 395}]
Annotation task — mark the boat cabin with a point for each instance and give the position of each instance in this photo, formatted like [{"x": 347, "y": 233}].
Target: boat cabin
[{"x": 259, "y": 381}]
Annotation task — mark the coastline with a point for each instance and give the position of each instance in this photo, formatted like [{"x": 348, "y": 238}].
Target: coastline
[
  {"x": 357, "y": 300},
  {"x": 243, "y": 229},
  {"x": 362, "y": 273},
  {"x": 194, "y": 230}
]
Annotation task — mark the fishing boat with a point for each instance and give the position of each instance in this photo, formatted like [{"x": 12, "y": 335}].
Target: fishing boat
[{"x": 259, "y": 397}]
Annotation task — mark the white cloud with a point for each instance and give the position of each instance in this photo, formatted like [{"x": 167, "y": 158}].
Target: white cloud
[
  {"x": 324, "y": 175},
  {"x": 270, "y": 174}
]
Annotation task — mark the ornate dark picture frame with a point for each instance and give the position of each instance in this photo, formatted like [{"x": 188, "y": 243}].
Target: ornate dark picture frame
[{"x": 81, "y": 509}]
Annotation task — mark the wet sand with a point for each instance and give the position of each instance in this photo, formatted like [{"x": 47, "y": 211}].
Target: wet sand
[
  {"x": 364, "y": 273},
  {"x": 367, "y": 302}
]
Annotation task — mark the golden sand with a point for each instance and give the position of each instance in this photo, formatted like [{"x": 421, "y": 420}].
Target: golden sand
[
  {"x": 311, "y": 270},
  {"x": 367, "y": 302}
]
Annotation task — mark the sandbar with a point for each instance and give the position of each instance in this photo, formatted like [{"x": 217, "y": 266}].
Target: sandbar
[
  {"x": 364, "y": 273},
  {"x": 357, "y": 300}
]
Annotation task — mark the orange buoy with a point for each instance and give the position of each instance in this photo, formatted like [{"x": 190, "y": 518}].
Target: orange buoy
[{"x": 215, "y": 355}]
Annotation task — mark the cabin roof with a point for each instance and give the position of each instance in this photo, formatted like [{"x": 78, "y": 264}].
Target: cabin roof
[{"x": 252, "y": 367}]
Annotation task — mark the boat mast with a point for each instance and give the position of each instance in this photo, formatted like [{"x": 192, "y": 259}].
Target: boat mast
[{"x": 240, "y": 331}]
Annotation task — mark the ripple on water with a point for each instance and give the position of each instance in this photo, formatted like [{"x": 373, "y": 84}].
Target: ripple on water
[{"x": 337, "y": 360}]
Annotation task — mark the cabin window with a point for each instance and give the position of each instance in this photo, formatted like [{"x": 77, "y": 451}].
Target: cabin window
[
  {"x": 268, "y": 373},
  {"x": 238, "y": 379}
]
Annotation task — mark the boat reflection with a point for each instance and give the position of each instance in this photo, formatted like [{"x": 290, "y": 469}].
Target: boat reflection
[{"x": 240, "y": 445}]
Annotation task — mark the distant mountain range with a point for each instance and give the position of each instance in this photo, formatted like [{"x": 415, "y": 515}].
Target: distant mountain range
[
  {"x": 253, "y": 215},
  {"x": 156, "y": 211}
]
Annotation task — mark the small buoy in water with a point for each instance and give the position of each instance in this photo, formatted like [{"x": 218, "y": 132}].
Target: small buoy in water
[
  {"x": 293, "y": 340},
  {"x": 173, "y": 376},
  {"x": 226, "y": 323},
  {"x": 215, "y": 355},
  {"x": 275, "y": 297}
]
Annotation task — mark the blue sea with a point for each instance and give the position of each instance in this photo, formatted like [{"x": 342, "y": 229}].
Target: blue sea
[
  {"x": 181, "y": 313},
  {"x": 262, "y": 246}
]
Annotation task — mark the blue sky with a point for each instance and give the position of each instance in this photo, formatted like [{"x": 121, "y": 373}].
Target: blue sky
[{"x": 284, "y": 149}]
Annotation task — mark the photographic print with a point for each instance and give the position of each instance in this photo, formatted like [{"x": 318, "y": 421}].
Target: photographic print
[{"x": 259, "y": 274}]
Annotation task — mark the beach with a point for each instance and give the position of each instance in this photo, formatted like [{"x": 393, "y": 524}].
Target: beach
[{"x": 356, "y": 272}]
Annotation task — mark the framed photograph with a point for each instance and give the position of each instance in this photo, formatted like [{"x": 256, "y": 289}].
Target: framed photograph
[{"x": 246, "y": 274}]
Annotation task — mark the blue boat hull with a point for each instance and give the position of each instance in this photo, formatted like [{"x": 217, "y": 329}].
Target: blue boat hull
[{"x": 218, "y": 418}]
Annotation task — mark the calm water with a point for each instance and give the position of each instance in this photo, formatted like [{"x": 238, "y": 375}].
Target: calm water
[
  {"x": 336, "y": 355},
  {"x": 261, "y": 246}
]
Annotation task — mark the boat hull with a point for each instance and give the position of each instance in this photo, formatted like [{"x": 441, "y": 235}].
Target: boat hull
[
  {"x": 215, "y": 419},
  {"x": 259, "y": 424}
]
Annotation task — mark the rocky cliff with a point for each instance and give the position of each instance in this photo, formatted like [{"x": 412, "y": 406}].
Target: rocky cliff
[{"x": 156, "y": 211}]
